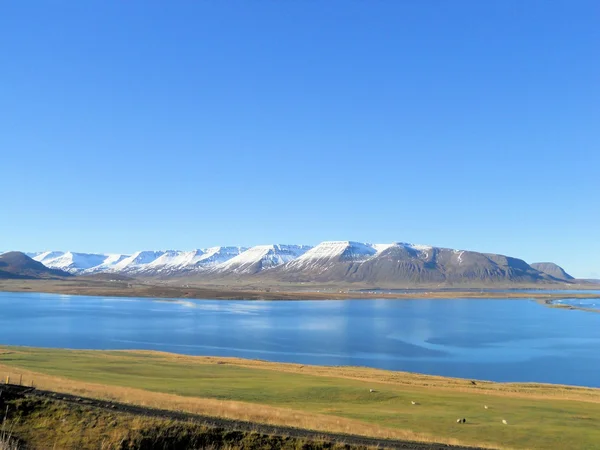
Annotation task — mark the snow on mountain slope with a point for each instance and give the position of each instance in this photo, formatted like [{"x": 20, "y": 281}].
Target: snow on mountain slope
[
  {"x": 218, "y": 255},
  {"x": 421, "y": 251},
  {"x": 45, "y": 257},
  {"x": 108, "y": 264},
  {"x": 172, "y": 261},
  {"x": 382, "y": 247},
  {"x": 331, "y": 252},
  {"x": 136, "y": 261},
  {"x": 262, "y": 257},
  {"x": 166, "y": 257},
  {"x": 70, "y": 261}
]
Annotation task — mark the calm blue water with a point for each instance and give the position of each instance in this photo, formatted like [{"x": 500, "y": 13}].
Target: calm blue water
[{"x": 501, "y": 340}]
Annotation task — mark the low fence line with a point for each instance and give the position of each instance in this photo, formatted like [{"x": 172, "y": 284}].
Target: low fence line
[{"x": 7, "y": 380}]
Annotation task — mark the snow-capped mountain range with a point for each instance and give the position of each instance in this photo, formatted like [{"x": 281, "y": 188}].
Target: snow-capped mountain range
[
  {"x": 74, "y": 262},
  {"x": 330, "y": 261},
  {"x": 214, "y": 260},
  {"x": 147, "y": 262}
]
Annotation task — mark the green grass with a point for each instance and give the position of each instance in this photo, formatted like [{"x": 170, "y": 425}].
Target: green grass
[{"x": 533, "y": 422}]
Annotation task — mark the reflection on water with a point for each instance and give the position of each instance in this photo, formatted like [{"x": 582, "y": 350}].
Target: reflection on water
[{"x": 502, "y": 340}]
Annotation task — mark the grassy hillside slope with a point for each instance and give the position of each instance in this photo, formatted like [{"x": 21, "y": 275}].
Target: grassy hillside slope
[{"x": 323, "y": 398}]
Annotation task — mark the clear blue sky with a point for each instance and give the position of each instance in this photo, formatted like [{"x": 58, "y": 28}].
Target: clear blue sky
[{"x": 129, "y": 125}]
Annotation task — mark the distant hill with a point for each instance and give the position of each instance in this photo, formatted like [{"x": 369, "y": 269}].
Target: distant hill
[
  {"x": 553, "y": 270},
  {"x": 17, "y": 265}
]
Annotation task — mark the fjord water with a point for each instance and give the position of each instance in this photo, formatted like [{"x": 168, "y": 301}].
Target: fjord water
[{"x": 499, "y": 340}]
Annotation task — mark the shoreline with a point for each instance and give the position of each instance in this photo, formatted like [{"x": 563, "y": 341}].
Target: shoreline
[
  {"x": 374, "y": 374},
  {"x": 136, "y": 289}
]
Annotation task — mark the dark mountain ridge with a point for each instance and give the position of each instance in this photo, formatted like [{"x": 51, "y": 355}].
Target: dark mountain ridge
[
  {"x": 553, "y": 270},
  {"x": 406, "y": 264},
  {"x": 15, "y": 265}
]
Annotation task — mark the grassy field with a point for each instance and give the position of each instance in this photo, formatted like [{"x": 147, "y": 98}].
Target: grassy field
[{"x": 323, "y": 398}]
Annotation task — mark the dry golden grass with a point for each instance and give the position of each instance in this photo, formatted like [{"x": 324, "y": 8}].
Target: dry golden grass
[{"x": 217, "y": 408}]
